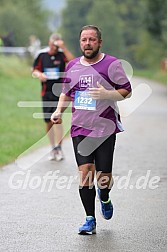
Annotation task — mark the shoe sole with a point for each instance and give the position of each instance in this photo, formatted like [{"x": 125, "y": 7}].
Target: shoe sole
[
  {"x": 55, "y": 158},
  {"x": 59, "y": 159},
  {"x": 51, "y": 158},
  {"x": 83, "y": 232}
]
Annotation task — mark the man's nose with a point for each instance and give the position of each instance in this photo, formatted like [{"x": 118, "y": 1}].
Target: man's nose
[{"x": 87, "y": 41}]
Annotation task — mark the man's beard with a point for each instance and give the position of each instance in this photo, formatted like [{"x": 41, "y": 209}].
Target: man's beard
[{"x": 91, "y": 56}]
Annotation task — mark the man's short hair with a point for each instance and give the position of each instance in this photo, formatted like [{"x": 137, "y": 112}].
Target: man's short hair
[{"x": 91, "y": 27}]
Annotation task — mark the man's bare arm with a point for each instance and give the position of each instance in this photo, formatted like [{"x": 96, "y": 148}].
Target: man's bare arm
[{"x": 63, "y": 103}]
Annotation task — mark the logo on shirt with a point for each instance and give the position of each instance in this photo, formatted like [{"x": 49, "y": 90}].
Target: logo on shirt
[
  {"x": 86, "y": 81},
  {"x": 56, "y": 62}
]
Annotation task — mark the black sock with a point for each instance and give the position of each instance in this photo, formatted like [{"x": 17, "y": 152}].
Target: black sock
[
  {"x": 87, "y": 195},
  {"x": 104, "y": 194}
]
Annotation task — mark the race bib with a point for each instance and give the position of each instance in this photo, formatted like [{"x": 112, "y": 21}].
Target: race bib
[
  {"x": 84, "y": 101},
  {"x": 52, "y": 73}
]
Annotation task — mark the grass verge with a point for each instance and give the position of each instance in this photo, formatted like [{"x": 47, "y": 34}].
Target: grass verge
[
  {"x": 18, "y": 129},
  {"x": 156, "y": 75}
]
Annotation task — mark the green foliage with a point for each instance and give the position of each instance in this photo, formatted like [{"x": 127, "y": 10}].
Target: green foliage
[
  {"x": 152, "y": 74},
  {"x": 19, "y": 130},
  {"x": 148, "y": 53},
  {"x": 131, "y": 29},
  {"x": 157, "y": 19},
  {"x": 132, "y": 14},
  {"x": 156, "y": 24},
  {"x": 118, "y": 21},
  {"x": 74, "y": 17},
  {"x": 23, "y": 18},
  {"x": 107, "y": 19}
]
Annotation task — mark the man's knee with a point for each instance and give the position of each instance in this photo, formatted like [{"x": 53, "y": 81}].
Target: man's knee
[
  {"x": 86, "y": 173},
  {"x": 104, "y": 180}
]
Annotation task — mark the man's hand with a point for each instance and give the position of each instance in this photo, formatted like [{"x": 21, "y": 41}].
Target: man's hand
[
  {"x": 98, "y": 93},
  {"x": 59, "y": 43},
  {"x": 41, "y": 76},
  {"x": 56, "y": 118}
]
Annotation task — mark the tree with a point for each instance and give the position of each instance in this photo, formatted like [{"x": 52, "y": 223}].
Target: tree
[
  {"x": 131, "y": 29},
  {"x": 132, "y": 14},
  {"x": 157, "y": 20},
  {"x": 23, "y": 18},
  {"x": 157, "y": 10},
  {"x": 152, "y": 44},
  {"x": 74, "y": 17},
  {"x": 105, "y": 15}
]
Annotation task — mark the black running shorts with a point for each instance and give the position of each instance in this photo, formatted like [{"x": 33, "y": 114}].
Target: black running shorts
[
  {"x": 49, "y": 105},
  {"x": 98, "y": 151}
]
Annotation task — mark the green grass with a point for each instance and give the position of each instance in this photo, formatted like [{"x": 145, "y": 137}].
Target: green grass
[
  {"x": 156, "y": 75},
  {"x": 18, "y": 129}
]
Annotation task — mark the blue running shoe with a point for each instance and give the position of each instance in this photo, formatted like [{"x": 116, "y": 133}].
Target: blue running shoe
[
  {"x": 106, "y": 207},
  {"x": 89, "y": 227}
]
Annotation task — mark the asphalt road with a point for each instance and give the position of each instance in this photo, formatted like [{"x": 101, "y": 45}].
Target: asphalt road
[{"x": 42, "y": 214}]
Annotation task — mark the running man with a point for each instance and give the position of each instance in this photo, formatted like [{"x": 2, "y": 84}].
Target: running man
[
  {"x": 93, "y": 83},
  {"x": 48, "y": 67}
]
